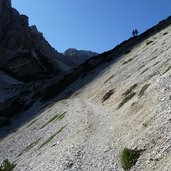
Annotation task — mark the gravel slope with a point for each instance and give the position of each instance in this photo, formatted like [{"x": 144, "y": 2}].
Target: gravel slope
[{"x": 82, "y": 133}]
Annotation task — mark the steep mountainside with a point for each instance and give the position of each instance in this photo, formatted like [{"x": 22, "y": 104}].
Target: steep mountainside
[{"x": 118, "y": 99}]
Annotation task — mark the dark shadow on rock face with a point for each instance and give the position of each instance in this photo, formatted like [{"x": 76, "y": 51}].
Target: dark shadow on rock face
[{"x": 50, "y": 88}]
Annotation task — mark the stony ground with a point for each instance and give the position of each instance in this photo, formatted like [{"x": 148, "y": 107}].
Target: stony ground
[{"x": 118, "y": 105}]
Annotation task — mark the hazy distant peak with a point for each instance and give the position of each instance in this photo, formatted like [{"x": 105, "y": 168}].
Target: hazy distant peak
[
  {"x": 79, "y": 56},
  {"x": 74, "y": 51}
]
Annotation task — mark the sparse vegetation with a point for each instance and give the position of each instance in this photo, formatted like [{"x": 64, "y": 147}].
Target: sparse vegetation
[
  {"x": 55, "y": 118},
  {"x": 128, "y": 91},
  {"x": 126, "y": 99},
  {"x": 165, "y": 33},
  {"x": 156, "y": 63},
  {"x": 144, "y": 71},
  {"x": 107, "y": 95},
  {"x": 143, "y": 89},
  {"x": 149, "y": 42},
  {"x": 141, "y": 67},
  {"x": 109, "y": 78},
  {"x": 127, "y": 51},
  {"x": 163, "y": 43},
  {"x": 128, "y": 158},
  {"x": 51, "y": 137},
  {"x": 167, "y": 69},
  {"x": 154, "y": 58},
  {"x": 29, "y": 147},
  {"x": 129, "y": 60},
  {"x": 7, "y": 166},
  {"x": 152, "y": 75},
  {"x": 31, "y": 123}
]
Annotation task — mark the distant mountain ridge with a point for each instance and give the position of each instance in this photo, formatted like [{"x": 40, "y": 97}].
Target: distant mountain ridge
[{"x": 79, "y": 56}]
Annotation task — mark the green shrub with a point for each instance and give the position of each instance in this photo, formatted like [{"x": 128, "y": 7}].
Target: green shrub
[
  {"x": 54, "y": 119},
  {"x": 128, "y": 158},
  {"x": 149, "y": 42},
  {"x": 167, "y": 69},
  {"x": 7, "y": 166},
  {"x": 129, "y": 60},
  {"x": 128, "y": 91},
  {"x": 143, "y": 89},
  {"x": 165, "y": 33},
  {"x": 51, "y": 137},
  {"x": 31, "y": 123},
  {"x": 109, "y": 78},
  {"x": 144, "y": 71},
  {"x": 127, "y": 51},
  {"x": 126, "y": 99},
  {"x": 107, "y": 95}
]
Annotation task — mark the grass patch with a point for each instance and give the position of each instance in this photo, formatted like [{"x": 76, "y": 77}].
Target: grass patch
[
  {"x": 126, "y": 99},
  {"x": 7, "y": 166},
  {"x": 128, "y": 158},
  {"x": 127, "y": 51},
  {"x": 143, "y": 89},
  {"x": 152, "y": 75},
  {"x": 51, "y": 137},
  {"x": 167, "y": 69},
  {"x": 149, "y": 42},
  {"x": 107, "y": 95},
  {"x": 109, "y": 78},
  {"x": 144, "y": 71},
  {"x": 54, "y": 119},
  {"x": 141, "y": 67},
  {"x": 128, "y": 91},
  {"x": 165, "y": 33},
  {"x": 29, "y": 147},
  {"x": 31, "y": 123},
  {"x": 154, "y": 58},
  {"x": 156, "y": 63},
  {"x": 129, "y": 60}
]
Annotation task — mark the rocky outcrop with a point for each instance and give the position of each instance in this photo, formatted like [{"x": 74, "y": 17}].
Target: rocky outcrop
[
  {"x": 24, "y": 52},
  {"x": 79, "y": 56}
]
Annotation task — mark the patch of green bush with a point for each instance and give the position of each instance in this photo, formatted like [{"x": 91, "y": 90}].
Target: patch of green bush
[
  {"x": 127, "y": 51},
  {"x": 31, "y": 123},
  {"x": 128, "y": 158},
  {"x": 128, "y": 91},
  {"x": 165, "y": 33},
  {"x": 107, "y": 95},
  {"x": 55, "y": 118},
  {"x": 7, "y": 166},
  {"x": 129, "y": 60},
  {"x": 109, "y": 78},
  {"x": 126, "y": 99},
  {"x": 149, "y": 42},
  {"x": 51, "y": 137},
  {"x": 167, "y": 69},
  {"x": 144, "y": 71},
  {"x": 143, "y": 89}
]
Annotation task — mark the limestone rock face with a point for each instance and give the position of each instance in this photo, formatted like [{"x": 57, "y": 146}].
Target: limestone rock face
[{"x": 24, "y": 52}]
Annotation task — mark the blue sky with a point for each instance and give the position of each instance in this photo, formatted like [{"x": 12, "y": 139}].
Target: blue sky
[{"x": 96, "y": 25}]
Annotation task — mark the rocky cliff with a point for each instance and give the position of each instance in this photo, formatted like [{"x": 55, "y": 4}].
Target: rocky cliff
[{"x": 24, "y": 52}]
